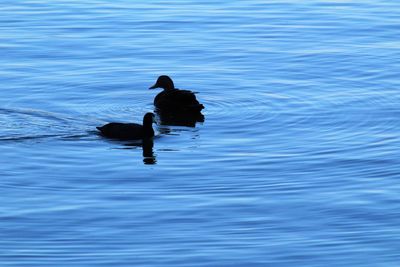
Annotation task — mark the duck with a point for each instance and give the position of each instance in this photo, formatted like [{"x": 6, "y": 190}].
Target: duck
[
  {"x": 129, "y": 131},
  {"x": 174, "y": 100}
]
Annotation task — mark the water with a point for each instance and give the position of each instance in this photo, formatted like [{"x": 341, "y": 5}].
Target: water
[{"x": 296, "y": 163}]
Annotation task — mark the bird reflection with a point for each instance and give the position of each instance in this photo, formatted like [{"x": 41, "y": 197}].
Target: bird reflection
[
  {"x": 147, "y": 144},
  {"x": 148, "y": 154}
]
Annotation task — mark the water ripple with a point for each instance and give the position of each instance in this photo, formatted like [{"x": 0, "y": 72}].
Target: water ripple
[{"x": 301, "y": 132}]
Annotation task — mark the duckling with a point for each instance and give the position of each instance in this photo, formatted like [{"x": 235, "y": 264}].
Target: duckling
[
  {"x": 173, "y": 100},
  {"x": 129, "y": 131}
]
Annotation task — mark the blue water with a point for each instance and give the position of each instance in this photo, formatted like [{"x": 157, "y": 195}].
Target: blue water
[{"x": 296, "y": 164}]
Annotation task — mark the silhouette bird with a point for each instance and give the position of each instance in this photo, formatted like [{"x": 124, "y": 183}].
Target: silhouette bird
[
  {"x": 129, "y": 131},
  {"x": 173, "y": 100}
]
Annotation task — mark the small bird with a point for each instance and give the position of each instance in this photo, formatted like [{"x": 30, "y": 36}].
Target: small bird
[
  {"x": 173, "y": 100},
  {"x": 129, "y": 131}
]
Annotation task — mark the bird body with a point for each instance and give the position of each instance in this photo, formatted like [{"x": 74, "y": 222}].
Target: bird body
[
  {"x": 176, "y": 100},
  {"x": 129, "y": 131}
]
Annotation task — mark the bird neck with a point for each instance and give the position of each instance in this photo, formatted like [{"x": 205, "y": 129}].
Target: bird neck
[
  {"x": 169, "y": 88},
  {"x": 148, "y": 132},
  {"x": 148, "y": 128}
]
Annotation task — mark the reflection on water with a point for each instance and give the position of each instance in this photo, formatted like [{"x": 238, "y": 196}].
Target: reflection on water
[
  {"x": 148, "y": 154},
  {"x": 294, "y": 161},
  {"x": 147, "y": 145}
]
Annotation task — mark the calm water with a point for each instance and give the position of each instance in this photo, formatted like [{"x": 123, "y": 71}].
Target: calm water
[{"x": 296, "y": 164}]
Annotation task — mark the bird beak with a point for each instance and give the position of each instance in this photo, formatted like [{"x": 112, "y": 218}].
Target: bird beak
[{"x": 154, "y": 86}]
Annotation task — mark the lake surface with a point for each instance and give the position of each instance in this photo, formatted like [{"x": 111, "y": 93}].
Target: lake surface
[{"x": 296, "y": 164}]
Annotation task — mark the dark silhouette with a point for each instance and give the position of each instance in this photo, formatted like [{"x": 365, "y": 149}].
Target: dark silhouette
[
  {"x": 129, "y": 131},
  {"x": 148, "y": 154},
  {"x": 174, "y": 106},
  {"x": 147, "y": 149},
  {"x": 176, "y": 119}
]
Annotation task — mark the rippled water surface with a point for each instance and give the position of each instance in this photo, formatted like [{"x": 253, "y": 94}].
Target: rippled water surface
[{"x": 296, "y": 164}]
